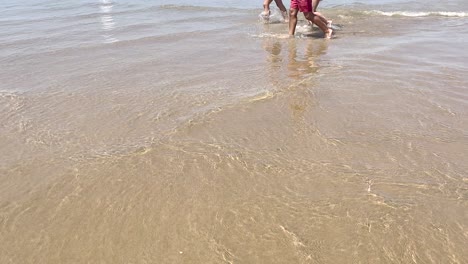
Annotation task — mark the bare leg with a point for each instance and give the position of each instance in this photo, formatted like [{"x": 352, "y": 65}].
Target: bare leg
[
  {"x": 315, "y": 4},
  {"x": 282, "y": 8},
  {"x": 328, "y": 22},
  {"x": 280, "y": 5},
  {"x": 266, "y": 8},
  {"x": 317, "y": 21},
  {"x": 322, "y": 17},
  {"x": 292, "y": 21}
]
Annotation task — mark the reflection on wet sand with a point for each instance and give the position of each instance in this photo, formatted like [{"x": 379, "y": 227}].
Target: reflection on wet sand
[
  {"x": 301, "y": 57},
  {"x": 303, "y": 66},
  {"x": 294, "y": 69}
]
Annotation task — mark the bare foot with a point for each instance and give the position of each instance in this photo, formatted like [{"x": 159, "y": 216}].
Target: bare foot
[
  {"x": 265, "y": 15},
  {"x": 285, "y": 16},
  {"x": 328, "y": 34}
]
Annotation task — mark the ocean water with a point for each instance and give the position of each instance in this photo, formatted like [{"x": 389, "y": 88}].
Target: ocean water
[{"x": 191, "y": 132}]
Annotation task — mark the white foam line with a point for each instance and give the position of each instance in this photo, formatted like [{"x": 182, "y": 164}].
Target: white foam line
[{"x": 421, "y": 14}]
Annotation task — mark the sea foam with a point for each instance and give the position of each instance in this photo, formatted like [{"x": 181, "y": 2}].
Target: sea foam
[{"x": 420, "y": 14}]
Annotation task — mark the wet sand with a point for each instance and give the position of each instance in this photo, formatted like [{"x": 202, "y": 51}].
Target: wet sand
[{"x": 257, "y": 149}]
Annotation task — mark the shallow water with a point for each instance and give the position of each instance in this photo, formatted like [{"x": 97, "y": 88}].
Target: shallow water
[{"x": 191, "y": 132}]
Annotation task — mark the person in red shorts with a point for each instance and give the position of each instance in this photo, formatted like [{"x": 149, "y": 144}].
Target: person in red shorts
[{"x": 306, "y": 7}]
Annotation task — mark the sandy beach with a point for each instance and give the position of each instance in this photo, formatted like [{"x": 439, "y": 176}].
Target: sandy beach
[{"x": 191, "y": 132}]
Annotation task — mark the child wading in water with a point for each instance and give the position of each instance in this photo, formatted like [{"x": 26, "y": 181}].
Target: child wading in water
[
  {"x": 306, "y": 7},
  {"x": 266, "y": 9}
]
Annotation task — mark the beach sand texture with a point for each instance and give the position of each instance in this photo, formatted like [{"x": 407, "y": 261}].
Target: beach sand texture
[{"x": 191, "y": 132}]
